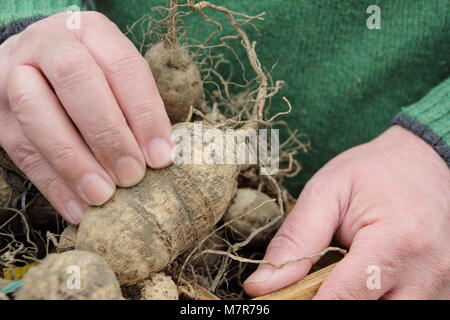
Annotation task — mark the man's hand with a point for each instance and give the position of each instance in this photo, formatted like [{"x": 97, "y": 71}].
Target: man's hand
[
  {"x": 389, "y": 202},
  {"x": 80, "y": 111}
]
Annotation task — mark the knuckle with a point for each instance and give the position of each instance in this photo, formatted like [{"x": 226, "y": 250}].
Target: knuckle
[
  {"x": 287, "y": 238},
  {"x": 319, "y": 188},
  {"x": 95, "y": 17},
  {"x": 413, "y": 238},
  {"x": 323, "y": 190},
  {"x": 144, "y": 114},
  {"x": 37, "y": 31},
  {"x": 27, "y": 157},
  {"x": 380, "y": 252},
  {"x": 32, "y": 164},
  {"x": 315, "y": 187},
  {"x": 30, "y": 32},
  {"x": 62, "y": 155},
  {"x": 124, "y": 64},
  {"x": 21, "y": 99},
  {"x": 8, "y": 47},
  {"x": 51, "y": 187},
  {"x": 107, "y": 136},
  {"x": 71, "y": 68}
]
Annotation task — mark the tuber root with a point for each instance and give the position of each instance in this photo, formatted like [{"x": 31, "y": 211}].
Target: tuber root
[
  {"x": 249, "y": 211},
  {"x": 158, "y": 287},
  {"x": 56, "y": 278},
  {"x": 177, "y": 78},
  {"x": 141, "y": 230}
]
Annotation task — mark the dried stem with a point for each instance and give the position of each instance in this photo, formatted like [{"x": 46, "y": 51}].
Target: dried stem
[
  {"x": 249, "y": 46},
  {"x": 172, "y": 28}
]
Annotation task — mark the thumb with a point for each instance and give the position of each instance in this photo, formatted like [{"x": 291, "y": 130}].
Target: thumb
[{"x": 307, "y": 230}]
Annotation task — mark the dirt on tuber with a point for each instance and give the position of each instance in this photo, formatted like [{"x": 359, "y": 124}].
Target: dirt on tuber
[
  {"x": 51, "y": 279},
  {"x": 250, "y": 210},
  {"x": 177, "y": 78},
  {"x": 158, "y": 287}
]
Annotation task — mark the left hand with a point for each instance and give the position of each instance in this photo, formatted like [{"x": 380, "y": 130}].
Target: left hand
[
  {"x": 80, "y": 112},
  {"x": 389, "y": 202}
]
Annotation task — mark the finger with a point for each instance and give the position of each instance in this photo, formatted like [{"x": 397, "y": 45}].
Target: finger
[
  {"x": 364, "y": 273},
  {"x": 87, "y": 98},
  {"x": 46, "y": 125},
  {"x": 39, "y": 171},
  {"x": 134, "y": 88},
  {"x": 307, "y": 230}
]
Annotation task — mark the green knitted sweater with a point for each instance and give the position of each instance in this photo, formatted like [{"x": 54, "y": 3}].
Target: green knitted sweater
[{"x": 347, "y": 83}]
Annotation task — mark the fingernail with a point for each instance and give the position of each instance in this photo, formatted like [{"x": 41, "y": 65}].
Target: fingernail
[
  {"x": 128, "y": 171},
  {"x": 159, "y": 153},
  {"x": 260, "y": 275},
  {"x": 75, "y": 211},
  {"x": 96, "y": 190}
]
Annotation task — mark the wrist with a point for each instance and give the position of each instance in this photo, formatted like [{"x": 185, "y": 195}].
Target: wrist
[{"x": 401, "y": 140}]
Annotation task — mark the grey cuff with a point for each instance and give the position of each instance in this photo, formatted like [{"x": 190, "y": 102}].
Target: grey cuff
[{"x": 426, "y": 134}]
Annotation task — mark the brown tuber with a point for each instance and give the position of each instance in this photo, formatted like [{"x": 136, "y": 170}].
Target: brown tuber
[
  {"x": 158, "y": 287},
  {"x": 51, "y": 280},
  {"x": 177, "y": 78},
  {"x": 249, "y": 211},
  {"x": 142, "y": 229}
]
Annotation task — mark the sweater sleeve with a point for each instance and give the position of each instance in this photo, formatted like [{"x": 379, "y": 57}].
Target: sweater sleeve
[
  {"x": 16, "y": 15},
  {"x": 429, "y": 118}
]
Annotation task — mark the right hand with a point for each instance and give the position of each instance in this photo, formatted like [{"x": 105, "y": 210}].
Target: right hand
[{"x": 80, "y": 111}]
